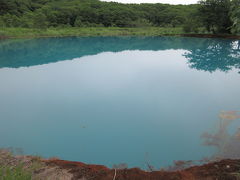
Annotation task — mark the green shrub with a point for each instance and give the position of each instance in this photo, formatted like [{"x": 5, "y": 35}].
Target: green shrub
[
  {"x": 14, "y": 173},
  {"x": 191, "y": 26}
]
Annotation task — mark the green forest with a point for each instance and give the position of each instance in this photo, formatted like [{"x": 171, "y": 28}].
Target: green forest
[{"x": 208, "y": 16}]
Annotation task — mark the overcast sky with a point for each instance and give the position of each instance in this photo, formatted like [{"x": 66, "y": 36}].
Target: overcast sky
[{"x": 157, "y": 1}]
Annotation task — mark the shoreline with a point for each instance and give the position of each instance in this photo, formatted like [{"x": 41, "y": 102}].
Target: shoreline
[
  {"x": 223, "y": 36},
  {"x": 56, "y": 169},
  {"x": 223, "y": 169},
  {"x": 27, "y": 33}
]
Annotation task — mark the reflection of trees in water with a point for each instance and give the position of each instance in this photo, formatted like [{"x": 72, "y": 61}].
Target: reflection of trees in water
[
  {"x": 48, "y": 50},
  {"x": 212, "y": 55},
  {"x": 202, "y": 53},
  {"x": 228, "y": 145}
]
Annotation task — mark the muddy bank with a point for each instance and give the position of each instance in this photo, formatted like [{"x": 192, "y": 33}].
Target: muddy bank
[
  {"x": 3, "y": 37},
  {"x": 224, "y": 169},
  {"x": 55, "y": 169},
  {"x": 224, "y": 36}
]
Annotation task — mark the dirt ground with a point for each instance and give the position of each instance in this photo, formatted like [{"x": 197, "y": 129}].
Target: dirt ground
[
  {"x": 55, "y": 169},
  {"x": 222, "y": 170}
]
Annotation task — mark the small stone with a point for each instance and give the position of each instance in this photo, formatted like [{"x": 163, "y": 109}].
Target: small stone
[{"x": 228, "y": 166}]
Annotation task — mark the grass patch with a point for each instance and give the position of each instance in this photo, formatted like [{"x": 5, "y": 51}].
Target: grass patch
[
  {"x": 18, "y": 167},
  {"x": 89, "y": 31},
  {"x": 15, "y": 173}
]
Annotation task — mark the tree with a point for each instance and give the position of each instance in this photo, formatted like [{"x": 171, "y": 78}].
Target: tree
[
  {"x": 235, "y": 16},
  {"x": 78, "y": 22},
  {"x": 40, "y": 20},
  {"x": 10, "y": 20},
  {"x": 215, "y": 15},
  {"x": 2, "y": 23}
]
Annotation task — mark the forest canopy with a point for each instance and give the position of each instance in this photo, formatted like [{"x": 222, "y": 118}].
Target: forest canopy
[{"x": 216, "y": 16}]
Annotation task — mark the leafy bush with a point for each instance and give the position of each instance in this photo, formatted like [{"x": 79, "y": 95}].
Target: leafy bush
[{"x": 191, "y": 26}]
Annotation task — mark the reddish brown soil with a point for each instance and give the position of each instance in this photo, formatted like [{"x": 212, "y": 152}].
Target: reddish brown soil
[
  {"x": 222, "y": 170},
  {"x": 225, "y": 36},
  {"x": 3, "y": 37}
]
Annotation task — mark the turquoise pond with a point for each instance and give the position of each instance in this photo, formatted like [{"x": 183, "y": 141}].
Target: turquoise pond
[{"x": 112, "y": 100}]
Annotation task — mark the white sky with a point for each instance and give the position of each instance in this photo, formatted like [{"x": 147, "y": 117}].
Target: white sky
[{"x": 157, "y": 1}]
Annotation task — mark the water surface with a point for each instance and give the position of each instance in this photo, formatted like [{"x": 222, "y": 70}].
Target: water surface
[{"x": 111, "y": 100}]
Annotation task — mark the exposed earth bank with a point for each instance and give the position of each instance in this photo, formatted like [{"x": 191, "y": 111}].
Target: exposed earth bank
[
  {"x": 55, "y": 169},
  {"x": 222, "y": 170}
]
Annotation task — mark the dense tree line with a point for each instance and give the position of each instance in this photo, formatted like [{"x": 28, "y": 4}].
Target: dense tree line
[
  {"x": 216, "y": 16},
  {"x": 80, "y": 13}
]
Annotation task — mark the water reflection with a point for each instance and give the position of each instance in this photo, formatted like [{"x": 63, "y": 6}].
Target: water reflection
[
  {"x": 225, "y": 140},
  {"x": 203, "y": 54},
  {"x": 211, "y": 55}
]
